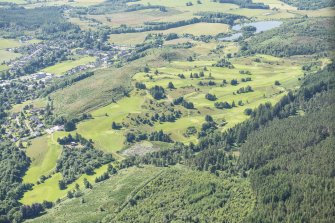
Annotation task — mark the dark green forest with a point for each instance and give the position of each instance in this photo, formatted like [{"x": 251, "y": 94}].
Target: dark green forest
[
  {"x": 310, "y": 4},
  {"x": 296, "y": 37}
]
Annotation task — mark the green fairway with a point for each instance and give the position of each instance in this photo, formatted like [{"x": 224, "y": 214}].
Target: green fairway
[
  {"x": 100, "y": 127},
  {"x": 50, "y": 191},
  {"x": 44, "y": 153},
  {"x": 263, "y": 75},
  {"x": 63, "y": 67}
]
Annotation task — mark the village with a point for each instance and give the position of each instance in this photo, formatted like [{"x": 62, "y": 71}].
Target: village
[{"x": 28, "y": 123}]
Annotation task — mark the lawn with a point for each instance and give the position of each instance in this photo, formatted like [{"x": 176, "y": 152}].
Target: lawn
[{"x": 61, "y": 68}]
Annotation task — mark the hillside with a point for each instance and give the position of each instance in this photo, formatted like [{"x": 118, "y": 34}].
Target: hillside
[{"x": 167, "y": 111}]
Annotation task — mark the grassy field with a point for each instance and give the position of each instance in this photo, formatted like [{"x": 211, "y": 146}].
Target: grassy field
[
  {"x": 43, "y": 153},
  {"x": 61, "y": 68},
  {"x": 108, "y": 195},
  {"x": 37, "y": 103},
  {"x": 200, "y": 29},
  {"x": 6, "y": 55},
  {"x": 11, "y": 43},
  {"x": 130, "y": 39}
]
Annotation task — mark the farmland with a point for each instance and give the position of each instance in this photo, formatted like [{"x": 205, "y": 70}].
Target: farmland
[{"x": 61, "y": 68}]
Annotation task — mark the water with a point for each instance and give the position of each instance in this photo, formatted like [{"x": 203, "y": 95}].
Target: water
[{"x": 260, "y": 27}]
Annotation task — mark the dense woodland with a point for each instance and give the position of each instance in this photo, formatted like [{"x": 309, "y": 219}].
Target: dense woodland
[
  {"x": 297, "y": 37},
  {"x": 310, "y": 4},
  {"x": 13, "y": 165},
  {"x": 78, "y": 157}
]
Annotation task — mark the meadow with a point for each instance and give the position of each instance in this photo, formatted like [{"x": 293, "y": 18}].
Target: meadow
[
  {"x": 11, "y": 43},
  {"x": 61, "y": 68}
]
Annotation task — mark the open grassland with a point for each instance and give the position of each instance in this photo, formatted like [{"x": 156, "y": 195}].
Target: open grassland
[
  {"x": 108, "y": 195},
  {"x": 3, "y": 67},
  {"x": 177, "y": 185},
  {"x": 74, "y": 3},
  {"x": 276, "y": 4},
  {"x": 63, "y": 67},
  {"x": 138, "y": 18},
  {"x": 11, "y": 43},
  {"x": 181, "y": 5}
]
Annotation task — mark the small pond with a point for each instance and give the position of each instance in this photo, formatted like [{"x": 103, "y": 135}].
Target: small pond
[{"x": 260, "y": 27}]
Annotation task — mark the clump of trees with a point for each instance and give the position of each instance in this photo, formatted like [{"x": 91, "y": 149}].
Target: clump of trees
[
  {"x": 153, "y": 136},
  {"x": 139, "y": 85},
  {"x": 75, "y": 162},
  {"x": 224, "y": 63},
  {"x": 157, "y": 92},
  {"x": 210, "y": 97}
]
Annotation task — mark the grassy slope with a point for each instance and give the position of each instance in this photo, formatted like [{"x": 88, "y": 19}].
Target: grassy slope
[{"x": 97, "y": 90}]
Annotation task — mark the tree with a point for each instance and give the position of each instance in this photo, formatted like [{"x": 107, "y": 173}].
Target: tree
[
  {"x": 115, "y": 126},
  {"x": 61, "y": 185},
  {"x": 69, "y": 126},
  {"x": 171, "y": 86},
  {"x": 157, "y": 92},
  {"x": 87, "y": 184}
]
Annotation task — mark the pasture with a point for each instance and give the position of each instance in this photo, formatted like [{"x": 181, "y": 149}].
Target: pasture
[{"x": 61, "y": 68}]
